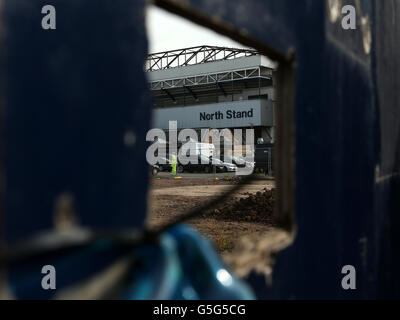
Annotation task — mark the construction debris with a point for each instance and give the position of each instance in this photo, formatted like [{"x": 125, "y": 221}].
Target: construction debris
[{"x": 254, "y": 208}]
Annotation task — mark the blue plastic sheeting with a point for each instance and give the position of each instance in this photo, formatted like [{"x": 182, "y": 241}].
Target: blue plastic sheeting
[{"x": 181, "y": 264}]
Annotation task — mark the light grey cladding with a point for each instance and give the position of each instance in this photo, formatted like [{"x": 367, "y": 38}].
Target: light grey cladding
[{"x": 217, "y": 115}]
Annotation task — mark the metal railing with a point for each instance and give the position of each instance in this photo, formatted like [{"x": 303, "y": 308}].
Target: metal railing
[{"x": 209, "y": 78}]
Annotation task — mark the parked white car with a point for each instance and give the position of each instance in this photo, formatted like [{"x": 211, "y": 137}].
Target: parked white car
[{"x": 227, "y": 167}]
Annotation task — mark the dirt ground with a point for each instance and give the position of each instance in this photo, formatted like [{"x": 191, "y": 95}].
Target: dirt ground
[
  {"x": 226, "y": 223},
  {"x": 242, "y": 228}
]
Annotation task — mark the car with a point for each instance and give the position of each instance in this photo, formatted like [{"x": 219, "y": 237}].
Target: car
[
  {"x": 224, "y": 166},
  {"x": 239, "y": 162},
  {"x": 165, "y": 163},
  {"x": 154, "y": 170},
  {"x": 203, "y": 164}
]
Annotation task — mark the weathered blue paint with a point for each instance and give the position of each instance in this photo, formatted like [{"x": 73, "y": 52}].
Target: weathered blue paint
[
  {"x": 347, "y": 196},
  {"x": 71, "y": 94}
]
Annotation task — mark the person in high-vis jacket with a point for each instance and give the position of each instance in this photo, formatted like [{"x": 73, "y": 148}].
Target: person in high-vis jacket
[{"x": 173, "y": 165}]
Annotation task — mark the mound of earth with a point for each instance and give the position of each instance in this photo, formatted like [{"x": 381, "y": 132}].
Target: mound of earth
[{"x": 256, "y": 207}]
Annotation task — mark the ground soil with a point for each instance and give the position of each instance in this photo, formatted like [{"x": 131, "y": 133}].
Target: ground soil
[
  {"x": 242, "y": 227},
  {"x": 247, "y": 212}
]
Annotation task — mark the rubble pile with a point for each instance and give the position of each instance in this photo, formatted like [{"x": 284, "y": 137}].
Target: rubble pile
[{"x": 253, "y": 208}]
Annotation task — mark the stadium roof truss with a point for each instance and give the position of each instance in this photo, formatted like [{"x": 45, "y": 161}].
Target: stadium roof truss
[{"x": 193, "y": 56}]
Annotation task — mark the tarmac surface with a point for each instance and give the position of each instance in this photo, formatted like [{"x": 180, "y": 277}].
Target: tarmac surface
[{"x": 206, "y": 176}]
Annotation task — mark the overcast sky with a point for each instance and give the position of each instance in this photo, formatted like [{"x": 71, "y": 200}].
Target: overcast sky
[{"x": 169, "y": 32}]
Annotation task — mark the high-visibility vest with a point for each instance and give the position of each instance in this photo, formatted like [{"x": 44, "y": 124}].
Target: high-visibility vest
[{"x": 173, "y": 165}]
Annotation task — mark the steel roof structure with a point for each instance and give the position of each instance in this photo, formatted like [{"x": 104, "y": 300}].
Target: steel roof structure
[
  {"x": 193, "y": 55},
  {"x": 190, "y": 73}
]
